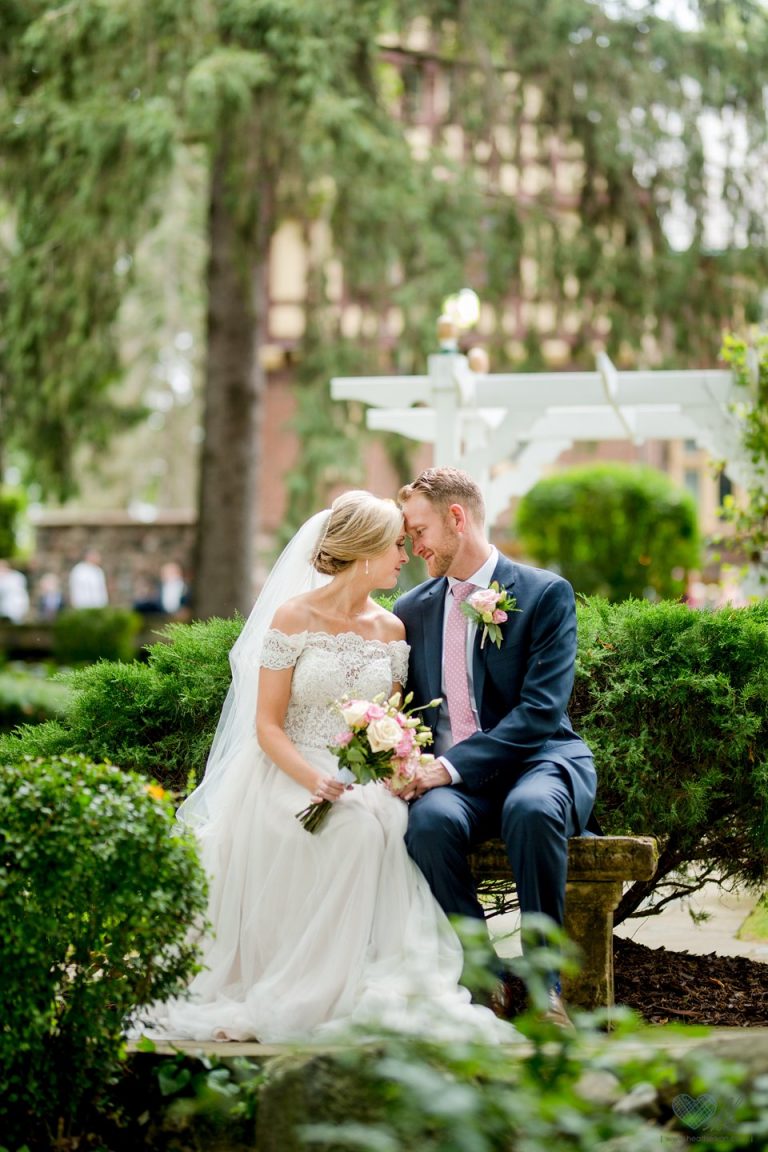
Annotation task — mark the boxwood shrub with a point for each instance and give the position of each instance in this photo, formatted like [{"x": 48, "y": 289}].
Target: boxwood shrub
[
  {"x": 96, "y": 899},
  {"x": 648, "y": 535}
]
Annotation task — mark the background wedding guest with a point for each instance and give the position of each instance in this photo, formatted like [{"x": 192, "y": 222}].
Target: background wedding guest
[
  {"x": 14, "y": 597},
  {"x": 146, "y": 597},
  {"x": 49, "y": 599},
  {"x": 174, "y": 593},
  {"x": 87, "y": 582}
]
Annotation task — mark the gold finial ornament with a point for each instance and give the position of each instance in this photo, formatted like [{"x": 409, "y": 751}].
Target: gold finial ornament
[
  {"x": 478, "y": 360},
  {"x": 447, "y": 332}
]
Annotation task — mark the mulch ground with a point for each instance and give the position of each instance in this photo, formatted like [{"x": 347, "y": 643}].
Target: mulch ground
[
  {"x": 667, "y": 987},
  {"x": 676, "y": 987}
]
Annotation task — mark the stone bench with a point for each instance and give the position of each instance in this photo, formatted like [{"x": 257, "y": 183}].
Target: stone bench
[{"x": 598, "y": 868}]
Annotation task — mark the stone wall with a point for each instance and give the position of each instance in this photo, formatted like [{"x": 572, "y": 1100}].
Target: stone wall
[{"x": 132, "y": 551}]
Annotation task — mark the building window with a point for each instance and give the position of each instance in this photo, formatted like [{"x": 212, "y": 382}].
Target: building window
[
  {"x": 724, "y": 489},
  {"x": 692, "y": 480}
]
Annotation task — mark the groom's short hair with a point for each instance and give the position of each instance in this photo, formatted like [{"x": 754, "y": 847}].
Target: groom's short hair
[{"x": 446, "y": 486}]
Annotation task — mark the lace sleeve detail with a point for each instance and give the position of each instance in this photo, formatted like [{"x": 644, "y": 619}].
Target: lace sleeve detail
[
  {"x": 281, "y": 650},
  {"x": 398, "y": 658}
]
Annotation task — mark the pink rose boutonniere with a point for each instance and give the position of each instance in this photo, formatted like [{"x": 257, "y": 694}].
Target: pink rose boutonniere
[{"x": 490, "y": 607}]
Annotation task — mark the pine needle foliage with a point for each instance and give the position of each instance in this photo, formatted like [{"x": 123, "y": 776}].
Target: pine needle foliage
[{"x": 674, "y": 704}]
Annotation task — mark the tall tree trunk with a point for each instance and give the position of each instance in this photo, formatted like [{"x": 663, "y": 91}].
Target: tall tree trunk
[{"x": 234, "y": 390}]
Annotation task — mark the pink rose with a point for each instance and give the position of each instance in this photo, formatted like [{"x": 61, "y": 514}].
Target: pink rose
[
  {"x": 355, "y": 712},
  {"x": 401, "y": 775},
  {"x": 375, "y": 712},
  {"x": 343, "y": 739},
  {"x": 484, "y": 600},
  {"x": 499, "y": 616},
  {"x": 405, "y": 747}
]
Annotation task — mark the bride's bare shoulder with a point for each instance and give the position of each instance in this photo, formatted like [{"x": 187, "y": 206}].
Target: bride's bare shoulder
[
  {"x": 293, "y": 616},
  {"x": 390, "y": 627}
]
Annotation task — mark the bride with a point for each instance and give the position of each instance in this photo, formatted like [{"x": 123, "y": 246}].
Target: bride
[{"x": 313, "y": 932}]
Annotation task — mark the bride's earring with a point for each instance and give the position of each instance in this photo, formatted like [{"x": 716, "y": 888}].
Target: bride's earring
[{"x": 366, "y": 565}]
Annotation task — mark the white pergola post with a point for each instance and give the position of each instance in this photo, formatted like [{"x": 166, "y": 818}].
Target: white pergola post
[
  {"x": 447, "y": 413},
  {"x": 506, "y": 429}
]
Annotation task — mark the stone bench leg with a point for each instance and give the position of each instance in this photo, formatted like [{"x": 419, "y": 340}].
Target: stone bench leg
[
  {"x": 598, "y": 867},
  {"x": 589, "y": 909}
]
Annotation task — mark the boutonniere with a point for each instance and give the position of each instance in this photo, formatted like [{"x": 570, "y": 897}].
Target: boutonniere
[{"x": 490, "y": 607}]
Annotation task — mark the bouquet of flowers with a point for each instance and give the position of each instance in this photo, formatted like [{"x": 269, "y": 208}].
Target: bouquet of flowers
[
  {"x": 490, "y": 607},
  {"x": 383, "y": 740}
]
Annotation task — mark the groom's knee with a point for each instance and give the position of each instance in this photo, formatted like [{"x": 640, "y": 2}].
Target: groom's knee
[
  {"x": 540, "y": 799},
  {"x": 435, "y": 825},
  {"x": 423, "y": 825}
]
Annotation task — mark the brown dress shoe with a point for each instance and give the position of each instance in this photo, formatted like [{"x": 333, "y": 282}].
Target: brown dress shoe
[
  {"x": 556, "y": 1013},
  {"x": 500, "y": 1001}
]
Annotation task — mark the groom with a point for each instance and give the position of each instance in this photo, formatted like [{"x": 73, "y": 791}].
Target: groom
[{"x": 507, "y": 761}]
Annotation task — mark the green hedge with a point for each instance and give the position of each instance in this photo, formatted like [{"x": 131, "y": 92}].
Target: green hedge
[
  {"x": 27, "y": 698},
  {"x": 96, "y": 898},
  {"x": 673, "y": 702},
  {"x": 82, "y": 635},
  {"x": 157, "y": 717}
]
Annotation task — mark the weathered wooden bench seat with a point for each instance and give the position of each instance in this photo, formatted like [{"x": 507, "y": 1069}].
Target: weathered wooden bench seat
[{"x": 598, "y": 867}]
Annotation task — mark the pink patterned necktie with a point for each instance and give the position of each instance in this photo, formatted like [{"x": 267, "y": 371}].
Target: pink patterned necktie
[{"x": 455, "y": 665}]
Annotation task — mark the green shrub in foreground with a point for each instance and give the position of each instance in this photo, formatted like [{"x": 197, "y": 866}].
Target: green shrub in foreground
[
  {"x": 96, "y": 897},
  {"x": 407, "y": 1093},
  {"x": 559, "y": 1090}
]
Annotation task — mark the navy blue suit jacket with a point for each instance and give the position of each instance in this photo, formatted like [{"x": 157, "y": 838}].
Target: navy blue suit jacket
[{"x": 522, "y": 689}]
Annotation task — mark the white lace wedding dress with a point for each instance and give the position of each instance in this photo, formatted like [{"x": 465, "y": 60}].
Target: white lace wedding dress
[{"x": 313, "y": 932}]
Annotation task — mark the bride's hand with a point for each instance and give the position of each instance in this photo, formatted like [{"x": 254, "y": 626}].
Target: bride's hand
[{"x": 327, "y": 788}]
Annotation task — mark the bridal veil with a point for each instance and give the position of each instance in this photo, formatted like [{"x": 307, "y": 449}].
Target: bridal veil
[{"x": 292, "y": 574}]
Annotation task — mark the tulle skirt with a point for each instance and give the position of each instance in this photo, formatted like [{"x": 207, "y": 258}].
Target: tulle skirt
[{"x": 314, "y": 933}]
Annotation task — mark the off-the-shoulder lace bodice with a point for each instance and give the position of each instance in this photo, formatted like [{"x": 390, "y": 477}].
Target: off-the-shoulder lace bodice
[{"x": 326, "y": 668}]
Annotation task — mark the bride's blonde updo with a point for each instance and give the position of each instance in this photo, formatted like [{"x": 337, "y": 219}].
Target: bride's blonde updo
[{"x": 360, "y": 525}]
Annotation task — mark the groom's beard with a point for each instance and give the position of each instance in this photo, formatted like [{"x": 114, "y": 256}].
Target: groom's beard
[{"x": 440, "y": 561}]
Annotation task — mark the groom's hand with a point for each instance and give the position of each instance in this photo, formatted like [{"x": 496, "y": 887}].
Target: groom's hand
[{"x": 433, "y": 775}]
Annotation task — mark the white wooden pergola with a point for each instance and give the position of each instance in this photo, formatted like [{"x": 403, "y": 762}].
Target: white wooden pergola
[{"x": 505, "y": 429}]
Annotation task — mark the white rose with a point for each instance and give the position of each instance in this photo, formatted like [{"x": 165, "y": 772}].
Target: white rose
[
  {"x": 384, "y": 735},
  {"x": 354, "y": 712}
]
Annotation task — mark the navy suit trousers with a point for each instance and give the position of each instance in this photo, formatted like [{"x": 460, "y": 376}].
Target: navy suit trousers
[{"x": 534, "y": 817}]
